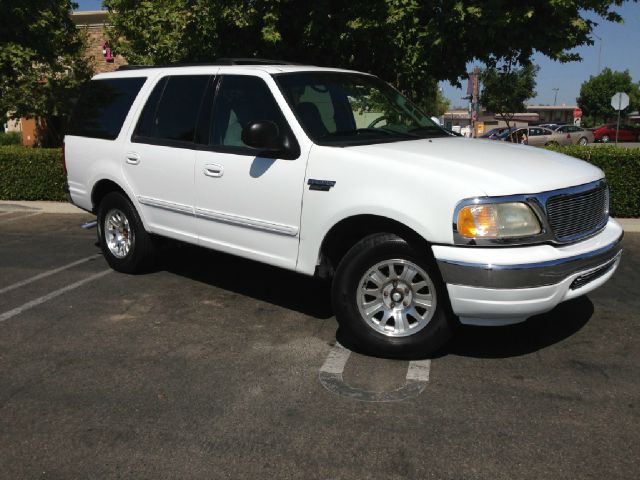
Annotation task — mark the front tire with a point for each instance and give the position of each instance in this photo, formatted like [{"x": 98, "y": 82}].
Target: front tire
[
  {"x": 390, "y": 300},
  {"x": 583, "y": 141},
  {"x": 125, "y": 243},
  {"x": 606, "y": 139}
]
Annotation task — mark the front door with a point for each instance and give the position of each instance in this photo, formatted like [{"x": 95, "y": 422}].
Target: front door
[{"x": 246, "y": 203}]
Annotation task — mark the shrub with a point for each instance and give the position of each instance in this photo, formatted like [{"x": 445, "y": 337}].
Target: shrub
[
  {"x": 31, "y": 173},
  {"x": 10, "y": 138},
  {"x": 622, "y": 168}
]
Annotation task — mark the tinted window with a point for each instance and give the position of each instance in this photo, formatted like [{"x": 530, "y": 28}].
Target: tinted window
[
  {"x": 172, "y": 109},
  {"x": 103, "y": 106},
  {"x": 242, "y": 100}
]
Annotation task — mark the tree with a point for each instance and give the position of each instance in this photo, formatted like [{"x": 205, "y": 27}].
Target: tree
[
  {"x": 410, "y": 43},
  {"x": 505, "y": 90},
  {"x": 595, "y": 95},
  {"x": 42, "y": 62}
]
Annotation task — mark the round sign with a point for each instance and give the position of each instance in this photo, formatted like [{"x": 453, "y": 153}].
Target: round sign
[
  {"x": 577, "y": 113},
  {"x": 620, "y": 101}
]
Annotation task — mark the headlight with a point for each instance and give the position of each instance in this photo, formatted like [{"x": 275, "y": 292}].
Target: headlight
[{"x": 497, "y": 220}]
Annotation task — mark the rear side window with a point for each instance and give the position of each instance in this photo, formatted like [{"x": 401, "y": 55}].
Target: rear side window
[
  {"x": 103, "y": 106},
  {"x": 171, "y": 112}
]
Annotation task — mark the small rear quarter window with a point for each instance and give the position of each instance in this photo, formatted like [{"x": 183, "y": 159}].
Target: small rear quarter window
[{"x": 103, "y": 106}]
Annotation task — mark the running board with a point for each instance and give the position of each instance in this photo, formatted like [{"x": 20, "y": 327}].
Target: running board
[{"x": 88, "y": 225}]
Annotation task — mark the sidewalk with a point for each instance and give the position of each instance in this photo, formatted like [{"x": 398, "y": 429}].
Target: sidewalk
[
  {"x": 44, "y": 207},
  {"x": 630, "y": 225}
]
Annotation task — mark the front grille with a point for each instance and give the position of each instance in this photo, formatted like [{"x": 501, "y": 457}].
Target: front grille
[{"x": 574, "y": 216}]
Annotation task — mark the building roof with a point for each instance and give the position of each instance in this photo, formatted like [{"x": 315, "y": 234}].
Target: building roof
[
  {"x": 89, "y": 17},
  {"x": 552, "y": 107}
]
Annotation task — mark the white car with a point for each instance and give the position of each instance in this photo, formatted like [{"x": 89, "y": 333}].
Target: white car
[{"x": 334, "y": 173}]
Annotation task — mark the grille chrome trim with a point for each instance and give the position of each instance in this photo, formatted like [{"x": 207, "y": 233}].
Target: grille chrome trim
[
  {"x": 573, "y": 216},
  {"x": 538, "y": 203}
]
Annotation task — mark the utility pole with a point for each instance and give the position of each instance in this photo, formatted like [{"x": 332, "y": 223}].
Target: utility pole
[
  {"x": 599, "y": 54},
  {"x": 555, "y": 96}
]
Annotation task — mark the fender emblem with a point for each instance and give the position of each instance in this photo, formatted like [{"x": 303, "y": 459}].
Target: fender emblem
[{"x": 322, "y": 185}]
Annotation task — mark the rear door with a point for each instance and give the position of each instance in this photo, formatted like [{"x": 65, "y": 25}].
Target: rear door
[
  {"x": 158, "y": 160},
  {"x": 537, "y": 136}
]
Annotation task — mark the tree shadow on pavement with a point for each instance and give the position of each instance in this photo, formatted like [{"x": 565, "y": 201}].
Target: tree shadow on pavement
[
  {"x": 535, "y": 334},
  {"x": 273, "y": 285}
]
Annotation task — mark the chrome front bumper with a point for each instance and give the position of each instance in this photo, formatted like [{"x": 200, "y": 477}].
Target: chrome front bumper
[
  {"x": 528, "y": 275},
  {"x": 501, "y": 286}
]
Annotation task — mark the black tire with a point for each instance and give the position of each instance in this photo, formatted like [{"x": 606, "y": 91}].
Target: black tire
[
  {"x": 583, "y": 141},
  {"x": 364, "y": 255},
  {"x": 140, "y": 255},
  {"x": 605, "y": 139}
]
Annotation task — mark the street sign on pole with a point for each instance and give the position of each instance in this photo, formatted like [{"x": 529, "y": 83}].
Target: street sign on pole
[{"x": 619, "y": 101}]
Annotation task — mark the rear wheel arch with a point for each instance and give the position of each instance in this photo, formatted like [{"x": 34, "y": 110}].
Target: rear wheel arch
[{"x": 101, "y": 189}]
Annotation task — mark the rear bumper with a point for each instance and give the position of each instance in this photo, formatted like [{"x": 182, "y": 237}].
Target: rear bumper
[{"x": 498, "y": 286}]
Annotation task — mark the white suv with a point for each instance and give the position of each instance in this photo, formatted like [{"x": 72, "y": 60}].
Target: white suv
[{"x": 334, "y": 173}]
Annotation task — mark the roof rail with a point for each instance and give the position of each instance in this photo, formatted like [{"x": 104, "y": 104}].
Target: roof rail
[{"x": 219, "y": 61}]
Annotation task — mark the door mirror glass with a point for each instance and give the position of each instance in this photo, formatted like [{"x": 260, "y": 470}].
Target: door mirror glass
[{"x": 262, "y": 135}]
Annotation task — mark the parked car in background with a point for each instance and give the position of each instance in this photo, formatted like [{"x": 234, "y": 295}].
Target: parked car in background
[
  {"x": 535, "y": 136},
  {"x": 576, "y": 135},
  {"x": 607, "y": 133},
  {"x": 552, "y": 126},
  {"x": 495, "y": 132}
]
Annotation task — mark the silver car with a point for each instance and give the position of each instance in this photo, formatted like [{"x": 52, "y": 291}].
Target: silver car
[
  {"x": 537, "y": 137},
  {"x": 576, "y": 135}
]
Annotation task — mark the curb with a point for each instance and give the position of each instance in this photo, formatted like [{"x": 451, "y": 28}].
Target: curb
[
  {"x": 40, "y": 206},
  {"x": 630, "y": 225}
]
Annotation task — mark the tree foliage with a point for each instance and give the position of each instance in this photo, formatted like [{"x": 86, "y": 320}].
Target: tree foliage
[
  {"x": 505, "y": 90},
  {"x": 595, "y": 95},
  {"x": 410, "y": 43},
  {"x": 42, "y": 60}
]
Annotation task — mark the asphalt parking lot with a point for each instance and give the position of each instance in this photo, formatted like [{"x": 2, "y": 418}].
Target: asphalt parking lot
[{"x": 215, "y": 367}]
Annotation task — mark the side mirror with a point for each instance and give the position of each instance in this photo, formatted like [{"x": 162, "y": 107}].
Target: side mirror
[{"x": 262, "y": 135}]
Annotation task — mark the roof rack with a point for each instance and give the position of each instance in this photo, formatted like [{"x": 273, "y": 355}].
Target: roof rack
[{"x": 219, "y": 61}]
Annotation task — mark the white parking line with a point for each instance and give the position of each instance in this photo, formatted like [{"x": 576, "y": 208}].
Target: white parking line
[
  {"x": 45, "y": 298},
  {"x": 333, "y": 367},
  {"x": 2, "y": 222},
  {"x": 46, "y": 274},
  {"x": 419, "y": 370}
]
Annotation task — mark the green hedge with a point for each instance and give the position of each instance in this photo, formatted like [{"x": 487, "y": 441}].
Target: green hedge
[
  {"x": 36, "y": 174},
  {"x": 622, "y": 168},
  {"x": 10, "y": 138},
  {"x": 31, "y": 173}
]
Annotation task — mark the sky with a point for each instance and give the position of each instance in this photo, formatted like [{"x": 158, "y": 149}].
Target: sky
[{"x": 620, "y": 45}]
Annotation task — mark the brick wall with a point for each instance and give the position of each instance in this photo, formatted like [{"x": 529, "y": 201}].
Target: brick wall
[{"x": 95, "y": 39}]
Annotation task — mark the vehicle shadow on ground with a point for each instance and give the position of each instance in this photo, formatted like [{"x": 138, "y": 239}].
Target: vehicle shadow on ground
[
  {"x": 312, "y": 297},
  {"x": 514, "y": 340},
  {"x": 290, "y": 290}
]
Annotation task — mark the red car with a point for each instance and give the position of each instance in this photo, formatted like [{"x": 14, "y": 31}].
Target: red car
[{"x": 607, "y": 133}]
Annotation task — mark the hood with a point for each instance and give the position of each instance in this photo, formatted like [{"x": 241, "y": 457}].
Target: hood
[{"x": 498, "y": 168}]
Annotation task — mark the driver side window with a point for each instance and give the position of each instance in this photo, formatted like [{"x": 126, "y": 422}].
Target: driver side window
[{"x": 241, "y": 100}]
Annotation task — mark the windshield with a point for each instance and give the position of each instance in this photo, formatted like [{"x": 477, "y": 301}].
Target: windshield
[{"x": 342, "y": 109}]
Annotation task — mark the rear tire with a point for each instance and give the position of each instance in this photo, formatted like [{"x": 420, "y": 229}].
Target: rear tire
[
  {"x": 125, "y": 243},
  {"x": 583, "y": 141},
  {"x": 389, "y": 299}
]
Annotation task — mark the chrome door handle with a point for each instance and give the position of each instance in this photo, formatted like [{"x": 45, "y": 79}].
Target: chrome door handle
[
  {"x": 132, "y": 158},
  {"x": 213, "y": 170}
]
